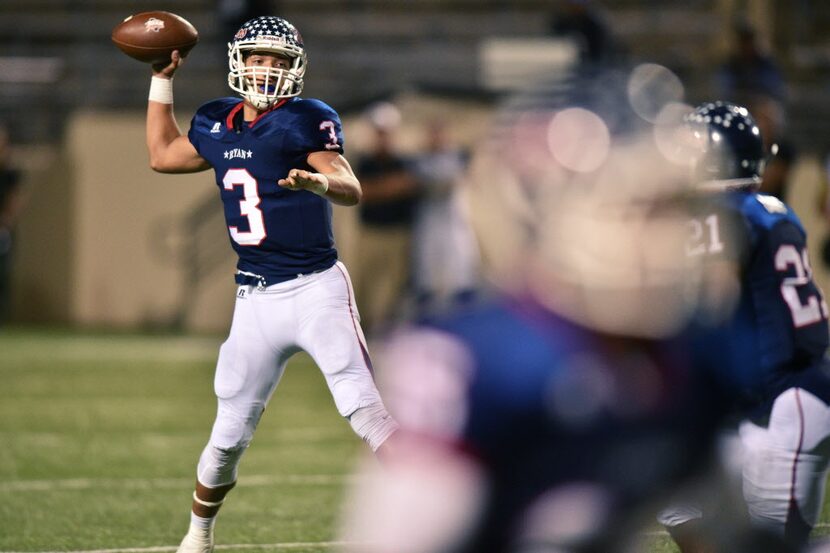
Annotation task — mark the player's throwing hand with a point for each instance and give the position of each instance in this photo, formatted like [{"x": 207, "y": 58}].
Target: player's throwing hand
[{"x": 166, "y": 70}]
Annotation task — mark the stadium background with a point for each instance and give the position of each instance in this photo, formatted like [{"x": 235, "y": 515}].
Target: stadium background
[
  {"x": 100, "y": 425},
  {"x": 104, "y": 242}
]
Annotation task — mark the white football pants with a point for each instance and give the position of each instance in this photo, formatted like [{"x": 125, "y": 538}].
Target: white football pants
[
  {"x": 783, "y": 467},
  {"x": 785, "y": 464},
  {"x": 315, "y": 313}
]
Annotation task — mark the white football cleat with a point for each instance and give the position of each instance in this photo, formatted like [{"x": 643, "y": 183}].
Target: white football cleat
[{"x": 197, "y": 540}]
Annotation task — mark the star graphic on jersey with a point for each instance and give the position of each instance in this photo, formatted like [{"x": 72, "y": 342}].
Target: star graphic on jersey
[
  {"x": 250, "y": 154},
  {"x": 226, "y": 154}
]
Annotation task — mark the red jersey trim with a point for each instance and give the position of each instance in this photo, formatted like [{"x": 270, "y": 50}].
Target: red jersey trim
[
  {"x": 237, "y": 107},
  {"x": 232, "y": 114},
  {"x": 266, "y": 112}
]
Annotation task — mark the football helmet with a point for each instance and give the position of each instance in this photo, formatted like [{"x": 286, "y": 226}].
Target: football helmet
[
  {"x": 729, "y": 148},
  {"x": 576, "y": 203},
  {"x": 264, "y": 86}
]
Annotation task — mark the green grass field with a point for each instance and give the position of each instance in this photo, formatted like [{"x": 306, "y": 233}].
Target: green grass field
[{"x": 100, "y": 434}]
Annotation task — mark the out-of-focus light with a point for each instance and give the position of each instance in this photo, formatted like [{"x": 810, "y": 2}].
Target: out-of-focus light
[
  {"x": 650, "y": 88},
  {"x": 579, "y": 139},
  {"x": 565, "y": 515},
  {"x": 676, "y": 141}
]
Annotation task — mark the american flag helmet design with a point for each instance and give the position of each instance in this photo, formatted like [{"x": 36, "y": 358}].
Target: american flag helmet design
[{"x": 270, "y": 26}]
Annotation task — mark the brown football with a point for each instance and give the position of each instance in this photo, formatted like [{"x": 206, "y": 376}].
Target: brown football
[{"x": 152, "y": 36}]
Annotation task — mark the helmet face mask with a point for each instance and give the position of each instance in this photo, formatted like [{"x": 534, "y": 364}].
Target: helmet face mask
[
  {"x": 262, "y": 87},
  {"x": 730, "y": 150}
]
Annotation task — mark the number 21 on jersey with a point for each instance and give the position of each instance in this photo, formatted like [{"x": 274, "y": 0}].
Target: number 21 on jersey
[{"x": 705, "y": 236}]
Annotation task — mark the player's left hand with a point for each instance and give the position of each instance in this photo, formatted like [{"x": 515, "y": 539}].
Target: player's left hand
[{"x": 299, "y": 179}]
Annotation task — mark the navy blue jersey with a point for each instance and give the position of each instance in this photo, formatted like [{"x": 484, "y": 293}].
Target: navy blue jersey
[
  {"x": 277, "y": 233},
  {"x": 779, "y": 299},
  {"x": 550, "y": 403}
]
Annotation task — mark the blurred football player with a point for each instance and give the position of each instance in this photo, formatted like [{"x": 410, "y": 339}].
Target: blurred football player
[
  {"x": 549, "y": 418},
  {"x": 785, "y": 435},
  {"x": 278, "y": 163}
]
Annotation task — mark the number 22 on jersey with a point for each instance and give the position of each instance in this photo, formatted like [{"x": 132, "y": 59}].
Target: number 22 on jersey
[{"x": 814, "y": 309}]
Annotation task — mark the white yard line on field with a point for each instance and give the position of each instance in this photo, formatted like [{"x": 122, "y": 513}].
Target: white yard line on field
[
  {"x": 162, "y": 548},
  {"x": 166, "y": 483}
]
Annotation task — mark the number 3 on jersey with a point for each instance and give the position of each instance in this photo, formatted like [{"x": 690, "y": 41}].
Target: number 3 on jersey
[{"x": 248, "y": 207}]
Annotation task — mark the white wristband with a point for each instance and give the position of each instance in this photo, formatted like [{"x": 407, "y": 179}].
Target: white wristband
[
  {"x": 320, "y": 188},
  {"x": 161, "y": 90}
]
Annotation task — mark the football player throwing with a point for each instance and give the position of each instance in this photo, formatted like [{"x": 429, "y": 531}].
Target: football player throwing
[{"x": 278, "y": 164}]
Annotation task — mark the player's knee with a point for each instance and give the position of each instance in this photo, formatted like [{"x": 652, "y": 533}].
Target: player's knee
[
  {"x": 230, "y": 438},
  {"x": 225, "y": 456},
  {"x": 234, "y": 428},
  {"x": 217, "y": 465},
  {"x": 373, "y": 424}
]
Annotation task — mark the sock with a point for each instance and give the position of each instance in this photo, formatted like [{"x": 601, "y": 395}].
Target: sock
[
  {"x": 200, "y": 522},
  {"x": 373, "y": 424}
]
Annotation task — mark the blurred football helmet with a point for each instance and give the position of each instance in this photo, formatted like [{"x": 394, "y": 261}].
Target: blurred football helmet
[
  {"x": 264, "y": 86},
  {"x": 730, "y": 147},
  {"x": 576, "y": 202}
]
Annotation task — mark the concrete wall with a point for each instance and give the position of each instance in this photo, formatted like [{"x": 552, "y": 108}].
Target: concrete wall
[
  {"x": 42, "y": 274},
  {"x": 87, "y": 253},
  {"x": 119, "y": 205}
]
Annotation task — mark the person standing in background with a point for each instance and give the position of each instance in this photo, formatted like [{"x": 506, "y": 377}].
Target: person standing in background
[
  {"x": 748, "y": 69},
  {"x": 390, "y": 193},
  {"x": 445, "y": 255},
  {"x": 780, "y": 153},
  {"x": 11, "y": 204},
  {"x": 582, "y": 22}
]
